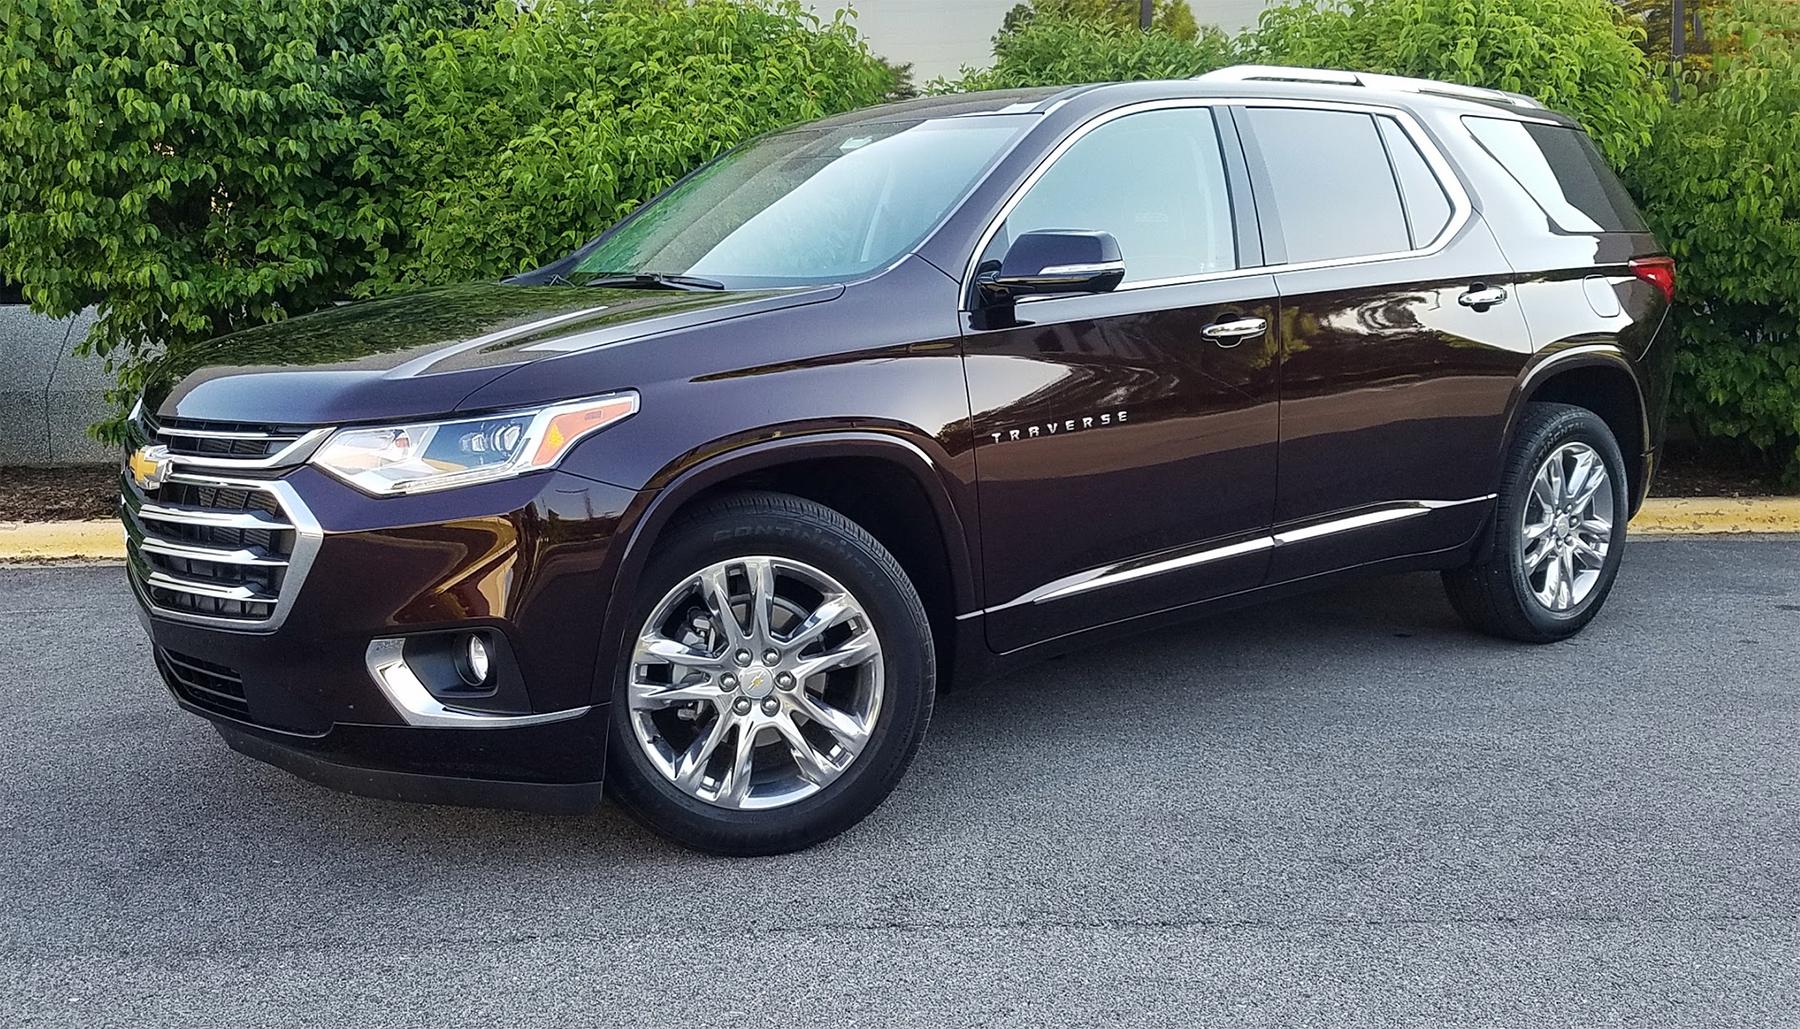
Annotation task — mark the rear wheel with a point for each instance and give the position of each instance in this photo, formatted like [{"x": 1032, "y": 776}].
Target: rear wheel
[
  {"x": 1558, "y": 531},
  {"x": 780, "y": 681}
]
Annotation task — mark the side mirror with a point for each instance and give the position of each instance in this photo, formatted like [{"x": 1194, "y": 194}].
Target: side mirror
[{"x": 1056, "y": 261}]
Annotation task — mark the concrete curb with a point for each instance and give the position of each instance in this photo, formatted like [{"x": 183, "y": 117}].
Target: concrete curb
[{"x": 29, "y": 542}]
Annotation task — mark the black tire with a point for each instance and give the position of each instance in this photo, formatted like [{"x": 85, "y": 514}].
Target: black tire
[
  {"x": 1496, "y": 594},
  {"x": 781, "y": 526}
]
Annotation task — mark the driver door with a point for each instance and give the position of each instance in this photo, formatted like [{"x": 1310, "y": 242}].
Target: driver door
[{"x": 1125, "y": 455}]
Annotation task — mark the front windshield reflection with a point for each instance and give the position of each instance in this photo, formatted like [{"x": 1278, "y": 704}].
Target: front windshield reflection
[{"x": 809, "y": 205}]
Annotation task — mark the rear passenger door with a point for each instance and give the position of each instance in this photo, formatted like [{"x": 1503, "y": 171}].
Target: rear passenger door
[{"x": 1400, "y": 338}]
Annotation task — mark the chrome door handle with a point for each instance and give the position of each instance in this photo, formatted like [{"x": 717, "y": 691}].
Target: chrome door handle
[
  {"x": 1482, "y": 297},
  {"x": 1230, "y": 334}
]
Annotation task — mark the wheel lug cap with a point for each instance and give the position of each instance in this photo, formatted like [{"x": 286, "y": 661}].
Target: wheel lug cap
[
  {"x": 728, "y": 681},
  {"x": 742, "y": 706},
  {"x": 785, "y": 680},
  {"x": 742, "y": 657},
  {"x": 770, "y": 657},
  {"x": 770, "y": 706}
]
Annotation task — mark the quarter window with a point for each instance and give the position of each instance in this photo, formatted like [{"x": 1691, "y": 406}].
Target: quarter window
[
  {"x": 1154, "y": 180},
  {"x": 1334, "y": 194},
  {"x": 1562, "y": 171},
  {"x": 1427, "y": 208}
]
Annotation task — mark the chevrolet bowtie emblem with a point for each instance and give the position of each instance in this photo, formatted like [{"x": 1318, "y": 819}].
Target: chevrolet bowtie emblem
[{"x": 149, "y": 467}]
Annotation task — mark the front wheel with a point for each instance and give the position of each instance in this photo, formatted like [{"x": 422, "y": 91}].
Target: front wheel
[
  {"x": 779, "y": 683},
  {"x": 1558, "y": 532}
]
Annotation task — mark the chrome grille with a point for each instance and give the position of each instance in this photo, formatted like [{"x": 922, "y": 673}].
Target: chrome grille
[
  {"x": 216, "y": 548},
  {"x": 231, "y": 444}
]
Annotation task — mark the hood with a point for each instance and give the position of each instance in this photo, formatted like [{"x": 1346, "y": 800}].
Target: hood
[{"x": 418, "y": 355}]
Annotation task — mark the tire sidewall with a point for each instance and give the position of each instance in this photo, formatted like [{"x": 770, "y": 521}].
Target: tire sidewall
[
  {"x": 1568, "y": 425},
  {"x": 908, "y": 673}
]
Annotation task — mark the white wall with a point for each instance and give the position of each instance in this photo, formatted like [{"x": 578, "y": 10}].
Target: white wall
[{"x": 941, "y": 36}]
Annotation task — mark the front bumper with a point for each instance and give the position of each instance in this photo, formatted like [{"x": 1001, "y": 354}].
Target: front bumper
[{"x": 522, "y": 561}]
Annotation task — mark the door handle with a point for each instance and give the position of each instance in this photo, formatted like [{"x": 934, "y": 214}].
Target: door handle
[
  {"x": 1230, "y": 334},
  {"x": 1482, "y": 297}
]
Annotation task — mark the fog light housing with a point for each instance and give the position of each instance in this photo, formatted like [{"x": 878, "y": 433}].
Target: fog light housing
[{"x": 474, "y": 662}]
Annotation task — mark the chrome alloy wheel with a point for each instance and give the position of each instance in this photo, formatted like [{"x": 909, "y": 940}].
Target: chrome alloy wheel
[
  {"x": 1567, "y": 526},
  {"x": 755, "y": 683}
]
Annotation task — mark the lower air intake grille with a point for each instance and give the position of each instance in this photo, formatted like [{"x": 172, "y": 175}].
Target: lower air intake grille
[{"x": 203, "y": 683}]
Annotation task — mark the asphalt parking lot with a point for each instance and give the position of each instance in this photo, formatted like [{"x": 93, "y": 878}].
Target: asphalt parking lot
[{"x": 1343, "y": 810}]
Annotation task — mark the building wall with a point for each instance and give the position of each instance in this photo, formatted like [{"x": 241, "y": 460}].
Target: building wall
[{"x": 940, "y": 37}]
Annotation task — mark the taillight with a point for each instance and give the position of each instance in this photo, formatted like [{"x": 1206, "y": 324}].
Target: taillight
[{"x": 1658, "y": 272}]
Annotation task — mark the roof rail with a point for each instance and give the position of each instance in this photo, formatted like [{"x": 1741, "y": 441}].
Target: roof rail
[{"x": 1334, "y": 77}]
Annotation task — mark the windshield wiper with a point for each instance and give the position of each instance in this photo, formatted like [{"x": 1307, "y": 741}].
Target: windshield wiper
[{"x": 652, "y": 280}]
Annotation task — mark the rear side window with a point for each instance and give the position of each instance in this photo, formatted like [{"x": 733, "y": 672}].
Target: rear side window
[
  {"x": 1334, "y": 194},
  {"x": 1563, "y": 172},
  {"x": 1427, "y": 207}
]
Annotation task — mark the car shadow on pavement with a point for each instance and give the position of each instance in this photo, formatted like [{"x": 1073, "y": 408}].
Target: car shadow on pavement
[{"x": 1173, "y": 675}]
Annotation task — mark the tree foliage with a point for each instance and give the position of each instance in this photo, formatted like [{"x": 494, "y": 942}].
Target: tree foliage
[
  {"x": 1050, "y": 51},
  {"x": 530, "y": 131},
  {"x": 1167, "y": 17},
  {"x": 192, "y": 167},
  {"x": 1720, "y": 184},
  {"x": 1577, "y": 56},
  {"x": 195, "y": 167}
]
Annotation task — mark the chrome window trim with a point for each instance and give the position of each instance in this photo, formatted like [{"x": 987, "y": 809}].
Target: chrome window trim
[
  {"x": 1462, "y": 208},
  {"x": 308, "y": 537},
  {"x": 1136, "y": 568},
  {"x": 386, "y": 661}
]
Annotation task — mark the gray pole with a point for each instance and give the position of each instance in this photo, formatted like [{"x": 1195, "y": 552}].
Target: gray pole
[
  {"x": 1677, "y": 43},
  {"x": 1146, "y": 10}
]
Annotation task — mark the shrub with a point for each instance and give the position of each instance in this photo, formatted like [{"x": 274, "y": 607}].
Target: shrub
[
  {"x": 1168, "y": 17},
  {"x": 1050, "y": 51},
  {"x": 525, "y": 134},
  {"x": 1720, "y": 185},
  {"x": 1577, "y": 56},
  {"x": 195, "y": 167},
  {"x": 192, "y": 167}
]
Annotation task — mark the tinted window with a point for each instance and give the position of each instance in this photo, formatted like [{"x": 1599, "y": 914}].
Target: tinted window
[
  {"x": 1427, "y": 206},
  {"x": 1334, "y": 192},
  {"x": 1562, "y": 171},
  {"x": 1154, "y": 180}
]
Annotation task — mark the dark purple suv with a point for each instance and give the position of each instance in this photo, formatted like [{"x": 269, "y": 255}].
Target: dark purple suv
[{"x": 712, "y": 508}]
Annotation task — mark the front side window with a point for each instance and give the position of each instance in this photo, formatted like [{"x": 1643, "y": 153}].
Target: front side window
[
  {"x": 1155, "y": 180},
  {"x": 810, "y": 205},
  {"x": 1334, "y": 193}
]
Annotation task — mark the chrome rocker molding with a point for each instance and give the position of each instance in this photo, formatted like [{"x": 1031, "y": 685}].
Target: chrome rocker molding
[
  {"x": 387, "y": 666},
  {"x": 1139, "y": 568}
]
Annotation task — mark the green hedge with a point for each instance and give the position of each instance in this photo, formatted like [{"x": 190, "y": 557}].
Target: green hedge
[
  {"x": 199, "y": 166},
  {"x": 527, "y": 133},
  {"x": 1721, "y": 186}
]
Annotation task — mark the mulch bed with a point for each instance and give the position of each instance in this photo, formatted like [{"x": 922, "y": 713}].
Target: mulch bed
[
  {"x": 54, "y": 494},
  {"x": 57, "y": 494}
]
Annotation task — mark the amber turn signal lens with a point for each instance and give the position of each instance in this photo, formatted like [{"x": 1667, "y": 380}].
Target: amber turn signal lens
[{"x": 568, "y": 427}]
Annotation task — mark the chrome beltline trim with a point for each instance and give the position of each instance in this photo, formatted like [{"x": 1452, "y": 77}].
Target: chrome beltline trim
[
  {"x": 387, "y": 666},
  {"x": 1130, "y": 571}
]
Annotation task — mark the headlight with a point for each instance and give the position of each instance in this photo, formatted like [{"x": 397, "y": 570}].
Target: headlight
[{"x": 425, "y": 456}]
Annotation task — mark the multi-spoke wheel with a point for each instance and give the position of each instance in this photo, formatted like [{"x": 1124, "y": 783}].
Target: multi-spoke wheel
[
  {"x": 1557, "y": 530},
  {"x": 779, "y": 681}
]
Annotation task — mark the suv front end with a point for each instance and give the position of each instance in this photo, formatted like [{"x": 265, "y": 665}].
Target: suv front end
[{"x": 436, "y": 645}]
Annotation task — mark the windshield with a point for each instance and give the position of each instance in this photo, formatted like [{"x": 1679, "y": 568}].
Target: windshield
[{"x": 808, "y": 205}]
